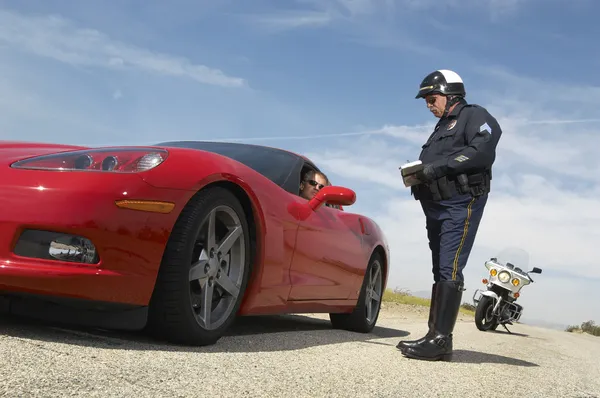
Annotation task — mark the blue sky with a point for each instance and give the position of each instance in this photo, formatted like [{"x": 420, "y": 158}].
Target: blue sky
[{"x": 283, "y": 73}]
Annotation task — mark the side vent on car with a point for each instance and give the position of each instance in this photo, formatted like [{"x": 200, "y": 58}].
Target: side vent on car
[{"x": 363, "y": 227}]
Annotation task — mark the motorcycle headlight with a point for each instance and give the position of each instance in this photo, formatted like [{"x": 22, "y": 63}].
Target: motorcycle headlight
[
  {"x": 504, "y": 276},
  {"x": 516, "y": 282}
]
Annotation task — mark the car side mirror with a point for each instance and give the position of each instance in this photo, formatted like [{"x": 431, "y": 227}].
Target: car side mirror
[{"x": 334, "y": 196}]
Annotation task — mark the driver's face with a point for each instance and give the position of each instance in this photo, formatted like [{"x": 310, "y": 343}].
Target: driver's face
[{"x": 314, "y": 186}]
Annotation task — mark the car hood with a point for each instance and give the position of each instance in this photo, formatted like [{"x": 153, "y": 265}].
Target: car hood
[{"x": 12, "y": 151}]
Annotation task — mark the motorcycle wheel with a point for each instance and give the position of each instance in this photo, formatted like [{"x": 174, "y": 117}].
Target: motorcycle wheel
[{"x": 484, "y": 320}]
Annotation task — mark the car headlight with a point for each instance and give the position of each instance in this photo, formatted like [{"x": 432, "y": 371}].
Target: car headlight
[
  {"x": 112, "y": 160},
  {"x": 504, "y": 276}
]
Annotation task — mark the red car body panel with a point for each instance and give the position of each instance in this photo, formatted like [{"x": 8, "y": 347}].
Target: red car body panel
[{"x": 305, "y": 261}]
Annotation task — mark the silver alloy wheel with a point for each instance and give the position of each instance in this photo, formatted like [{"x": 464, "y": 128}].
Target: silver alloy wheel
[
  {"x": 217, "y": 271},
  {"x": 373, "y": 292}
]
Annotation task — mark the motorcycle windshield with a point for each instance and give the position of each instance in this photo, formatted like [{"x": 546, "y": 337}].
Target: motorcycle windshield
[{"x": 515, "y": 259}]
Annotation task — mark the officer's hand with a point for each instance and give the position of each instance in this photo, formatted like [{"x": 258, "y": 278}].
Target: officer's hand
[{"x": 427, "y": 174}]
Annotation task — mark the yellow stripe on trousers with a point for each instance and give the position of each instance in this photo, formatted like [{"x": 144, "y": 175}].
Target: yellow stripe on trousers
[{"x": 462, "y": 241}]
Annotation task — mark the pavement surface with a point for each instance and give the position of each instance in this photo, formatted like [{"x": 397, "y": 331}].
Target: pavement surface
[{"x": 297, "y": 356}]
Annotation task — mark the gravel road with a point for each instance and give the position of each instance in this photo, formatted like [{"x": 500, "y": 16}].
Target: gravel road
[{"x": 297, "y": 356}]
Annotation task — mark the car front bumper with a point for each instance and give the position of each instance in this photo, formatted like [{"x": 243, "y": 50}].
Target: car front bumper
[{"x": 39, "y": 206}]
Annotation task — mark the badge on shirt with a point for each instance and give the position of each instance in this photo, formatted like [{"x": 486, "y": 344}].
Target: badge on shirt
[{"x": 452, "y": 124}]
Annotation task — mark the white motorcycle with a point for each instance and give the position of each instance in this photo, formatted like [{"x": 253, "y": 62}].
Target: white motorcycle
[{"x": 497, "y": 305}]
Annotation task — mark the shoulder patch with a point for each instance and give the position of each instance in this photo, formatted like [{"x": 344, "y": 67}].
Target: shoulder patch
[{"x": 485, "y": 128}]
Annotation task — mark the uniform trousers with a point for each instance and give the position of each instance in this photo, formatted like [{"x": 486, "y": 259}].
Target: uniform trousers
[{"x": 451, "y": 229}]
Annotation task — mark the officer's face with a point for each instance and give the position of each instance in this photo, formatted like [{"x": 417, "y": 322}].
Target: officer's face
[{"x": 436, "y": 104}]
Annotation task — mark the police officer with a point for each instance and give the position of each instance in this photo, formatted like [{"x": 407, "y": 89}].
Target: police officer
[{"x": 457, "y": 159}]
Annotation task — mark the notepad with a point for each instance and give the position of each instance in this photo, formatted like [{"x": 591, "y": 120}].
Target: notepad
[{"x": 409, "y": 170}]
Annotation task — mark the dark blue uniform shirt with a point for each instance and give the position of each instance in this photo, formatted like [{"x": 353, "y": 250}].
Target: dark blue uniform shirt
[{"x": 463, "y": 142}]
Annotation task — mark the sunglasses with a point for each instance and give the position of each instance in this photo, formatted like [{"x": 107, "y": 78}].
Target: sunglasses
[
  {"x": 431, "y": 100},
  {"x": 315, "y": 184}
]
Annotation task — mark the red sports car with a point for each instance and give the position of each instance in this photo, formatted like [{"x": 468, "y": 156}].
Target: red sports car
[{"x": 180, "y": 238}]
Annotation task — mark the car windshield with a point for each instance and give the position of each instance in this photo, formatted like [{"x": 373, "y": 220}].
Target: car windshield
[{"x": 272, "y": 163}]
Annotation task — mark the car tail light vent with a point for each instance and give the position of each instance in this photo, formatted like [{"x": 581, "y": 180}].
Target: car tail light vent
[{"x": 116, "y": 160}]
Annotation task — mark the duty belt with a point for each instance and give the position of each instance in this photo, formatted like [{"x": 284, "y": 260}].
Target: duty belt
[{"x": 447, "y": 187}]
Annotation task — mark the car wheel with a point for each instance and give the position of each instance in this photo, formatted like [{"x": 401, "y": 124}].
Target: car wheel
[
  {"x": 365, "y": 314},
  {"x": 204, "y": 271}
]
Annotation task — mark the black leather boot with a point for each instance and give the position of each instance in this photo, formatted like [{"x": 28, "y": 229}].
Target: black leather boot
[
  {"x": 438, "y": 346},
  {"x": 403, "y": 344}
]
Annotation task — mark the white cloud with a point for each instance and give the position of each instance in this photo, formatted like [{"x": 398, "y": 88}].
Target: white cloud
[
  {"x": 292, "y": 20},
  {"x": 520, "y": 90},
  {"x": 390, "y": 24},
  {"x": 360, "y": 21},
  {"x": 59, "y": 39},
  {"x": 357, "y": 8},
  {"x": 312, "y": 13},
  {"x": 379, "y": 163},
  {"x": 495, "y": 7}
]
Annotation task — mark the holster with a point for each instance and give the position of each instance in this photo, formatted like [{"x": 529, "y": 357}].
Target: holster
[
  {"x": 476, "y": 184},
  {"x": 440, "y": 189}
]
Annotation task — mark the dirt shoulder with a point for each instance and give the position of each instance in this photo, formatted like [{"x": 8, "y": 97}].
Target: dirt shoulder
[{"x": 412, "y": 312}]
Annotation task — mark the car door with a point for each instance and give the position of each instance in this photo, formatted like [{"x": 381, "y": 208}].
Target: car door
[{"x": 328, "y": 254}]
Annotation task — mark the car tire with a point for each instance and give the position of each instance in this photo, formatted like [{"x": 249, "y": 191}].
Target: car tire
[
  {"x": 176, "y": 310},
  {"x": 359, "y": 320}
]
